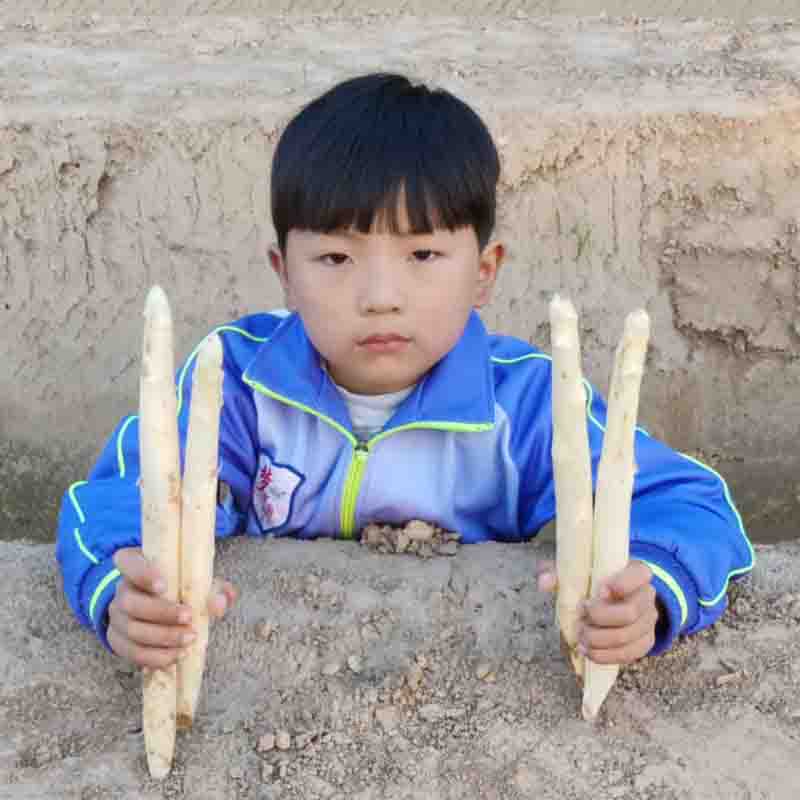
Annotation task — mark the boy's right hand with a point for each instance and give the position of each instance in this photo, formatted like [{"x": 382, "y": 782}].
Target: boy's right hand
[{"x": 143, "y": 626}]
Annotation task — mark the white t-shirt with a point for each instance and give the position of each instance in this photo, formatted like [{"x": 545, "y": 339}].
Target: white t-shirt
[{"x": 370, "y": 412}]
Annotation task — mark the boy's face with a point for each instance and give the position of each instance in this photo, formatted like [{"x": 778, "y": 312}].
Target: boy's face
[{"x": 383, "y": 308}]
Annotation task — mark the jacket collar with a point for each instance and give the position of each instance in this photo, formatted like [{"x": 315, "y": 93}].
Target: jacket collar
[{"x": 459, "y": 389}]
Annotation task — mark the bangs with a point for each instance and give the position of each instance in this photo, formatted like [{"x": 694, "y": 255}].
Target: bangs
[{"x": 353, "y": 156}]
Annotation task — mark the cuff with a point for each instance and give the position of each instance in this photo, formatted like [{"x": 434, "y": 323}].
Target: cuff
[
  {"x": 97, "y": 592},
  {"x": 674, "y": 588}
]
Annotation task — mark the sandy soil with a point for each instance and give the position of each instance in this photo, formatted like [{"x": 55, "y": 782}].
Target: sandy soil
[{"x": 346, "y": 673}]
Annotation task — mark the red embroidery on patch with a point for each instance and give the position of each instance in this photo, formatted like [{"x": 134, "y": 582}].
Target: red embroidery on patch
[
  {"x": 264, "y": 478},
  {"x": 274, "y": 487}
]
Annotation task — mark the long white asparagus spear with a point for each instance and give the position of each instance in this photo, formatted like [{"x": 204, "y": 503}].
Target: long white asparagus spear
[
  {"x": 572, "y": 473},
  {"x": 197, "y": 519},
  {"x": 161, "y": 510},
  {"x": 614, "y": 486}
]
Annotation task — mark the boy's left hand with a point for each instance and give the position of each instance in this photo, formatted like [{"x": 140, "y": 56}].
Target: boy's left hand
[{"x": 619, "y": 624}]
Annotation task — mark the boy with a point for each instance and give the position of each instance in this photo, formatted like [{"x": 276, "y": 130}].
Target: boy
[{"x": 381, "y": 397}]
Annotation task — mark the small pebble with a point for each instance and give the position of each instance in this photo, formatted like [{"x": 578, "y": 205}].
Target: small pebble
[
  {"x": 414, "y": 676},
  {"x": 263, "y": 630},
  {"x": 266, "y": 743},
  {"x": 354, "y": 662},
  {"x": 331, "y": 668},
  {"x": 483, "y": 670},
  {"x": 432, "y": 712},
  {"x": 419, "y": 531},
  {"x": 303, "y": 740},
  {"x": 388, "y": 717},
  {"x": 283, "y": 741}
]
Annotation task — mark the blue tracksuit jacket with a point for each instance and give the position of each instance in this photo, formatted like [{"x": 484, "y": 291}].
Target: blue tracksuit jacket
[{"x": 469, "y": 450}]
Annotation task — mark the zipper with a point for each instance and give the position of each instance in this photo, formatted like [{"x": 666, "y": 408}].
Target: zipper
[
  {"x": 352, "y": 486},
  {"x": 355, "y": 473}
]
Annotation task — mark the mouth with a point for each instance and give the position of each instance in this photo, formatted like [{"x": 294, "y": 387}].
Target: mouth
[
  {"x": 384, "y": 343},
  {"x": 387, "y": 338}
]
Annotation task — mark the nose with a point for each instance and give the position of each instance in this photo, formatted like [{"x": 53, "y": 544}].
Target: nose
[{"x": 381, "y": 290}]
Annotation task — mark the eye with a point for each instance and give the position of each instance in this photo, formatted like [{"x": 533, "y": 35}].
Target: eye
[
  {"x": 425, "y": 255},
  {"x": 333, "y": 259}
]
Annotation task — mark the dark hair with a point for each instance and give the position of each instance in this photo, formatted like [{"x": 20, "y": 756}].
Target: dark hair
[{"x": 346, "y": 157}]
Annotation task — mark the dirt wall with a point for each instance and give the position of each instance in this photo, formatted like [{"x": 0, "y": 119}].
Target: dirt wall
[
  {"x": 645, "y": 163},
  {"x": 729, "y": 9}
]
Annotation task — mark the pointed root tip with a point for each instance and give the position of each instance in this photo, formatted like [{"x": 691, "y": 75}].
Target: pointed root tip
[
  {"x": 156, "y": 304},
  {"x": 589, "y": 714},
  {"x": 563, "y": 307},
  {"x": 638, "y": 322},
  {"x": 211, "y": 352},
  {"x": 159, "y": 768}
]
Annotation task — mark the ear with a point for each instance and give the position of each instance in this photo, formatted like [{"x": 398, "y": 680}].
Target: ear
[
  {"x": 490, "y": 263},
  {"x": 278, "y": 264}
]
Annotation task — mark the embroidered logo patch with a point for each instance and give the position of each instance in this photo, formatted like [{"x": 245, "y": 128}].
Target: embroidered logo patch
[{"x": 273, "y": 492}]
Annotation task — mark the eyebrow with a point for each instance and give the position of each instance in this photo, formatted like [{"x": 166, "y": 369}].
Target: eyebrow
[{"x": 348, "y": 234}]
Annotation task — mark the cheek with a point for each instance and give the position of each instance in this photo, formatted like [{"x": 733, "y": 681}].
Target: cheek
[
  {"x": 326, "y": 332},
  {"x": 317, "y": 290}
]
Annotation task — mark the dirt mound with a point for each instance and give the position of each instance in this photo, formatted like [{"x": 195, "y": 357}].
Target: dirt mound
[{"x": 345, "y": 673}]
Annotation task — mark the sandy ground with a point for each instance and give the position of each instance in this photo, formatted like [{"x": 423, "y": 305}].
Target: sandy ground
[{"x": 344, "y": 673}]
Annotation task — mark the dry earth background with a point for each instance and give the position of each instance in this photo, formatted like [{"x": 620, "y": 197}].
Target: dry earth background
[{"x": 644, "y": 160}]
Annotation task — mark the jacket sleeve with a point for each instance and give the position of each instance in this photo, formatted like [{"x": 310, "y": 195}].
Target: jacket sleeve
[
  {"x": 684, "y": 524},
  {"x": 102, "y": 514}
]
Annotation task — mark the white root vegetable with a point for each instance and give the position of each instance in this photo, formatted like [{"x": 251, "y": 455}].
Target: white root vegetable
[
  {"x": 161, "y": 510},
  {"x": 614, "y": 486},
  {"x": 572, "y": 473},
  {"x": 197, "y": 519}
]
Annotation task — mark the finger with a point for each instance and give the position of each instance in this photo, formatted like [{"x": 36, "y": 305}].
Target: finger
[
  {"x": 624, "y": 655},
  {"x": 148, "y": 657},
  {"x": 593, "y": 638},
  {"x": 132, "y": 602},
  {"x": 223, "y": 596},
  {"x": 148, "y": 634},
  {"x": 620, "y": 613},
  {"x": 628, "y": 580},
  {"x": 130, "y": 561}
]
